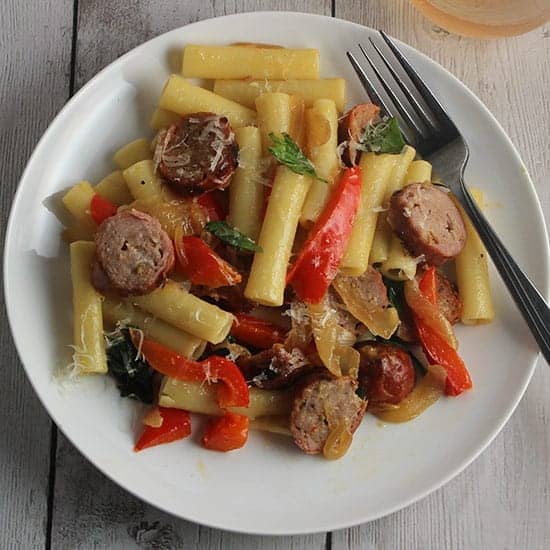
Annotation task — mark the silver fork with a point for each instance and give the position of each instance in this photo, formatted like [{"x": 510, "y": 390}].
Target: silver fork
[{"x": 428, "y": 127}]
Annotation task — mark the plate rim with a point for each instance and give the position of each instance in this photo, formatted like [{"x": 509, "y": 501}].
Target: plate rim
[{"x": 9, "y": 305}]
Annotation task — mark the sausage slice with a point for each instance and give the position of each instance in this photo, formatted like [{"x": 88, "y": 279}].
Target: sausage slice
[
  {"x": 275, "y": 368},
  {"x": 133, "y": 253},
  {"x": 428, "y": 222},
  {"x": 352, "y": 126},
  {"x": 197, "y": 154},
  {"x": 386, "y": 374},
  {"x": 368, "y": 288},
  {"x": 320, "y": 403},
  {"x": 448, "y": 299}
]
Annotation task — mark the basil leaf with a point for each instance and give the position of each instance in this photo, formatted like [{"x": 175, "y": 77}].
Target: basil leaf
[
  {"x": 287, "y": 152},
  {"x": 383, "y": 137},
  {"x": 133, "y": 376},
  {"x": 232, "y": 236}
]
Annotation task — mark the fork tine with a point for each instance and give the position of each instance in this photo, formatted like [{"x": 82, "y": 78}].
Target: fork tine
[
  {"x": 420, "y": 111},
  {"x": 424, "y": 91},
  {"x": 371, "y": 91},
  {"x": 396, "y": 101}
]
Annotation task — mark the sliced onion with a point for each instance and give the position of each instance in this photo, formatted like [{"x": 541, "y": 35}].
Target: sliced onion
[
  {"x": 349, "y": 361},
  {"x": 429, "y": 313},
  {"x": 424, "y": 395},
  {"x": 333, "y": 341},
  {"x": 185, "y": 216},
  {"x": 338, "y": 441},
  {"x": 378, "y": 318}
]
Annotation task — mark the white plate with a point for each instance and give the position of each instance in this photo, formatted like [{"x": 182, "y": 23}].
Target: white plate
[{"x": 269, "y": 486}]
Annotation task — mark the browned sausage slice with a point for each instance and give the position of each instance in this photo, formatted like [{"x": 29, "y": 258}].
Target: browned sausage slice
[
  {"x": 386, "y": 373},
  {"x": 352, "y": 126},
  {"x": 275, "y": 368},
  {"x": 368, "y": 288},
  {"x": 428, "y": 222},
  {"x": 320, "y": 404},
  {"x": 197, "y": 154},
  {"x": 448, "y": 299},
  {"x": 134, "y": 254}
]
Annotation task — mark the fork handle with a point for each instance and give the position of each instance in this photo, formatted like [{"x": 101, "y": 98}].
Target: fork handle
[{"x": 531, "y": 304}]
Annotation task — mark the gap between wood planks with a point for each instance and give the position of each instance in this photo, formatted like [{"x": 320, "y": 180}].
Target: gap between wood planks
[{"x": 53, "y": 436}]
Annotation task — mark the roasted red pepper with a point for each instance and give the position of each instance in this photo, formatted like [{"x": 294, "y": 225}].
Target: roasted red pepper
[
  {"x": 176, "y": 424},
  {"x": 212, "y": 206},
  {"x": 318, "y": 261},
  {"x": 101, "y": 209},
  {"x": 226, "y": 433},
  {"x": 202, "y": 266},
  {"x": 256, "y": 332},
  {"x": 437, "y": 350},
  {"x": 232, "y": 390}
]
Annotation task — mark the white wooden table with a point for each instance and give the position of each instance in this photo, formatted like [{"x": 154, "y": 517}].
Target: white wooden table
[{"x": 50, "y": 496}]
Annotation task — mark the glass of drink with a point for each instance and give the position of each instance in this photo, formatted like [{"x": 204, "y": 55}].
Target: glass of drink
[{"x": 486, "y": 18}]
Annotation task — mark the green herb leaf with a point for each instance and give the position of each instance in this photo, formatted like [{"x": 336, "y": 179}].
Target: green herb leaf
[
  {"x": 134, "y": 377},
  {"x": 287, "y": 152},
  {"x": 232, "y": 236},
  {"x": 395, "y": 294},
  {"x": 383, "y": 137}
]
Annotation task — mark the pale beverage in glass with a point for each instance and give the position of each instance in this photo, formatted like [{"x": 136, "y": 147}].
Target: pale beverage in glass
[{"x": 486, "y": 18}]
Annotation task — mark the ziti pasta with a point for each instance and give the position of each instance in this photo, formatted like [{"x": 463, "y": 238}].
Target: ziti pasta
[{"x": 266, "y": 261}]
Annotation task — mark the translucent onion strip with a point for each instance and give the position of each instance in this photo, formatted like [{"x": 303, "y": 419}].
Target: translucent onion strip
[
  {"x": 338, "y": 441},
  {"x": 356, "y": 294},
  {"x": 333, "y": 342},
  {"x": 430, "y": 314},
  {"x": 424, "y": 395}
]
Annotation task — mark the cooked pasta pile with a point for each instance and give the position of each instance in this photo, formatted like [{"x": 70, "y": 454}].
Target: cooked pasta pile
[{"x": 272, "y": 260}]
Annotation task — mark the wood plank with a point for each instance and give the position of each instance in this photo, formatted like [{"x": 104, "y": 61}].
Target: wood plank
[
  {"x": 89, "y": 510},
  {"x": 503, "y": 499},
  {"x": 33, "y": 87}
]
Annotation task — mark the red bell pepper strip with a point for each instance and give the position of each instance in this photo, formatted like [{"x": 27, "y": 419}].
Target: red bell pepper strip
[
  {"x": 212, "y": 206},
  {"x": 428, "y": 285},
  {"x": 202, "y": 266},
  {"x": 101, "y": 209},
  {"x": 232, "y": 390},
  {"x": 437, "y": 350},
  {"x": 256, "y": 332},
  {"x": 318, "y": 261},
  {"x": 176, "y": 424},
  {"x": 226, "y": 433}
]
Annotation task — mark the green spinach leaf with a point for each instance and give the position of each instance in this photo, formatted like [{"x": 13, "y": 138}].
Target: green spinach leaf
[{"x": 133, "y": 375}]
